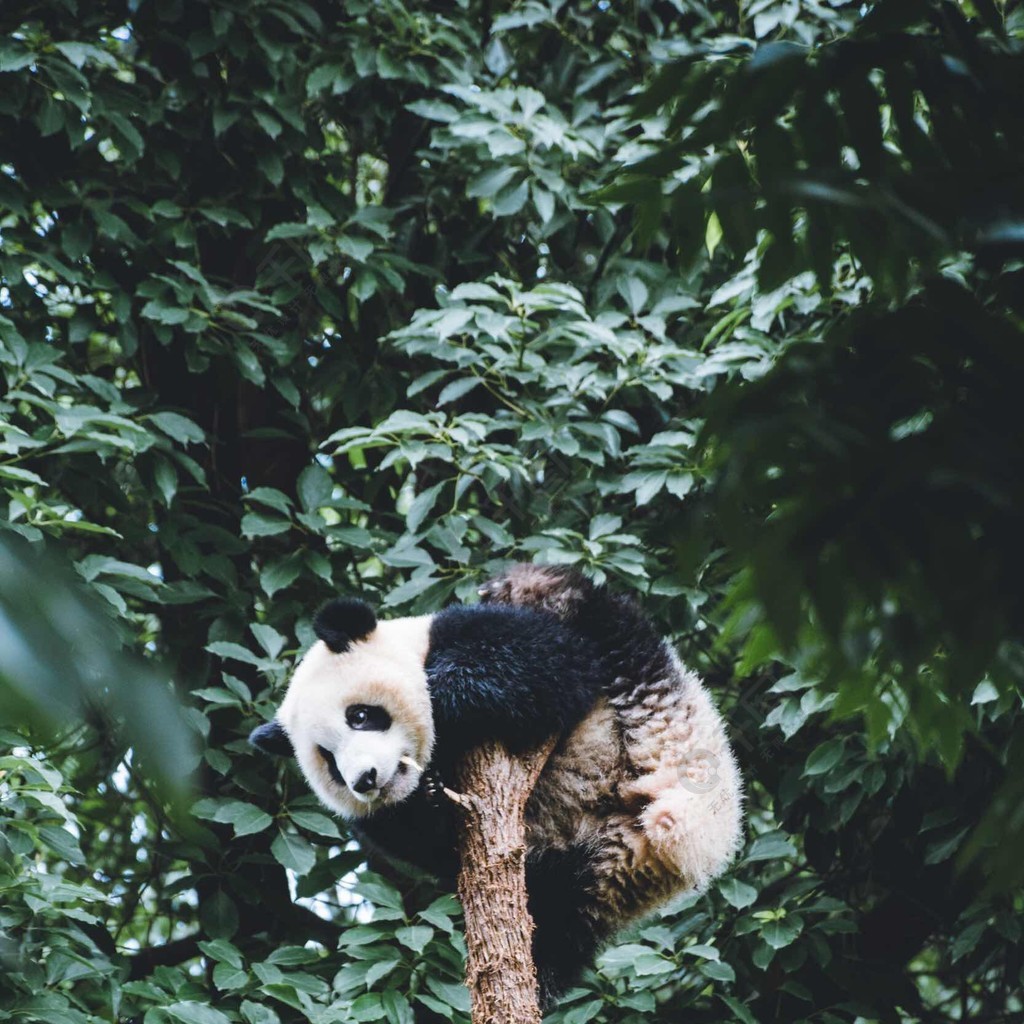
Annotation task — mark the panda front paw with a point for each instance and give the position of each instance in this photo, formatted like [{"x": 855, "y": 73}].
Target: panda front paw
[{"x": 433, "y": 787}]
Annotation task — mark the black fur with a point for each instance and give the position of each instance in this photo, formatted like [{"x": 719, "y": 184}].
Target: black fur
[
  {"x": 623, "y": 636},
  {"x": 509, "y": 674},
  {"x": 272, "y": 739},
  {"x": 419, "y": 831},
  {"x": 342, "y": 621},
  {"x": 565, "y": 939}
]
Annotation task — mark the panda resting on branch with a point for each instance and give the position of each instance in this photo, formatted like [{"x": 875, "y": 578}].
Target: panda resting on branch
[{"x": 640, "y": 800}]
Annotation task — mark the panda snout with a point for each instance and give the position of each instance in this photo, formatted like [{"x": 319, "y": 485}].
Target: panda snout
[{"x": 365, "y": 782}]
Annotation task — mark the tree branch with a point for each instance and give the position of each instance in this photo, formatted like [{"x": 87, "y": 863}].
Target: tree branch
[
  {"x": 495, "y": 786},
  {"x": 290, "y": 920},
  {"x": 146, "y": 961}
]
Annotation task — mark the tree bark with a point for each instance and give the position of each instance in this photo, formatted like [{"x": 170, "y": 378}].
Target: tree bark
[{"x": 500, "y": 973}]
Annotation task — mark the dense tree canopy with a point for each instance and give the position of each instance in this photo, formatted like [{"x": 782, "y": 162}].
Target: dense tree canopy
[{"x": 721, "y": 302}]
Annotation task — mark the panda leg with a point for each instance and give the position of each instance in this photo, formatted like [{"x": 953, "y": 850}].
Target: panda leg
[
  {"x": 561, "y": 890},
  {"x": 631, "y": 879},
  {"x": 580, "y": 896}
]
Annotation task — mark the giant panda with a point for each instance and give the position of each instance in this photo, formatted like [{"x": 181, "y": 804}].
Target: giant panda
[{"x": 639, "y": 802}]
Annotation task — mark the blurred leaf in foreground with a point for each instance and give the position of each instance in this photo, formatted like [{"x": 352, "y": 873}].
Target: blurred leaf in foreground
[{"x": 60, "y": 660}]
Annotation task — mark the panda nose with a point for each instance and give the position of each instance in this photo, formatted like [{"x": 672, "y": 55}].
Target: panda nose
[{"x": 366, "y": 781}]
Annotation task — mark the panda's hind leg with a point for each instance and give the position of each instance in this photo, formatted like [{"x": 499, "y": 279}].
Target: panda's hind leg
[
  {"x": 562, "y": 895},
  {"x": 580, "y": 896}
]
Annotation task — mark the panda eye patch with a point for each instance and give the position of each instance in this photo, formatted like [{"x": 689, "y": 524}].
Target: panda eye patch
[
  {"x": 332, "y": 765},
  {"x": 367, "y": 717}
]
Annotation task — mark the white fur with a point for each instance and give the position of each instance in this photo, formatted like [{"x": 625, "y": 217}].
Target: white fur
[{"x": 385, "y": 669}]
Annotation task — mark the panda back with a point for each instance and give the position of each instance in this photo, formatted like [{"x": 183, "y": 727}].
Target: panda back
[{"x": 510, "y": 674}]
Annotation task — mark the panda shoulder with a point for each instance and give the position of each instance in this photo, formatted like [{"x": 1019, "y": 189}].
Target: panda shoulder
[{"x": 484, "y": 627}]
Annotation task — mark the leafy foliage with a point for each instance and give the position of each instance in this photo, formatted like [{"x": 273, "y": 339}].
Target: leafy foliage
[{"x": 720, "y": 303}]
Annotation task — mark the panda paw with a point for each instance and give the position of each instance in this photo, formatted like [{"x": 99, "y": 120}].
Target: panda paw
[{"x": 433, "y": 788}]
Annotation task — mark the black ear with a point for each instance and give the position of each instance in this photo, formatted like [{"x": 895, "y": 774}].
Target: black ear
[
  {"x": 272, "y": 739},
  {"x": 343, "y": 620}
]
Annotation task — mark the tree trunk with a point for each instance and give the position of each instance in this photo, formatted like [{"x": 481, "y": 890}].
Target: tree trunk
[{"x": 495, "y": 786}]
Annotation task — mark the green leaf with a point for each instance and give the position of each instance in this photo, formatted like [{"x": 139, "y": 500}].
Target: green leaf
[
  {"x": 248, "y": 820},
  {"x": 634, "y": 291},
  {"x": 511, "y": 200},
  {"x": 583, "y": 1012},
  {"x": 367, "y": 1007},
  {"x": 718, "y": 972},
  {"x": 490, "y": 182},
  {"x": 280, "y": 573},
  {"x": 780, "y": 933},
  {"x": 737, "y": 893},
  {"x": 396, "y": 1006},
  {"x": 292, "y": 956},
  {"x": 456, "y": 996},
  {"x": 269, "y": 639},
  {"x": 254, "y": 524},
  {"x": 315, "y": 487},
  {"x": 13, "y": 58},
  {"x": 702, "y": 949},
  {"x": 256, "y": 1013},
  {"x": 381, "y": 969},
  {"x": 164, "y": 313},
  {"x": 80, "y": 53},
  {"x": 62, "y": 842},
  {"x": 314, "y": 821},
  {"x": 455, "y": 389},
  {"x": 421, "y": 506},
  {"x": 177, "y": 427},
  {"x": 434, "y": 110},
  {"x": 415, "y": 937},
  {"x": 227, "y": 649},
  {"x": 359, "y": 249},
  {"x": 226, "y": 977},
  {"x": 189, "y": 1012},
  {"x": 825, "y": 757},
  {"x": 379, "y": 892},
  {"x": 641, "y": 960},
  {"x": 984, "y": 693},
  {"x": 293, "y": 852},
  {"x": 771, "y": 846},
  {"x": 741, "y": 1012},
  {"x": 223, "y": 951}
]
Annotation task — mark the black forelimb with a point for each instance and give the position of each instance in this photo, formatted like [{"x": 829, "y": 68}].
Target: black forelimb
[{"x": 419, "y": 831}]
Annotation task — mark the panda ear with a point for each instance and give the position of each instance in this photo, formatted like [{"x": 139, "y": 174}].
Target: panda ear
[
  {"x": 342, "y": 621},
  {"x": 272, "y": 739}
]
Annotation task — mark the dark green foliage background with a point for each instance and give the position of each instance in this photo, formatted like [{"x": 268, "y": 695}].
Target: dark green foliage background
[{"x": 722, "y": 303}]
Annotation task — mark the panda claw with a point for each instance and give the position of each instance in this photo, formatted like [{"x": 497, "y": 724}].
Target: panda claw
[{"x": 433, "y": 788}]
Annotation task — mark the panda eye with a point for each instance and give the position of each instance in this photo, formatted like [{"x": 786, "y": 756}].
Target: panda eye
[{"x": 369, "y": 717}]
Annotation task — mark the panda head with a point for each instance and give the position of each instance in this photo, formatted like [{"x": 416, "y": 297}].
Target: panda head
[{"x": 357, "y": 709}]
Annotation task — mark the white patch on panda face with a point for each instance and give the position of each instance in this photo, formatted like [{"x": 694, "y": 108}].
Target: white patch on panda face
[
  {"x": 365, "y": 755},
  {"x": 352, "y": 717}
]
